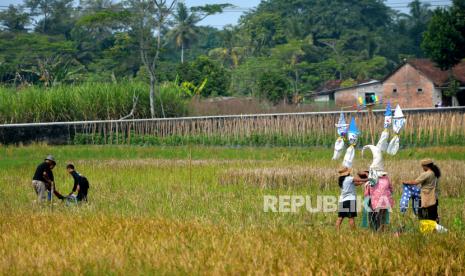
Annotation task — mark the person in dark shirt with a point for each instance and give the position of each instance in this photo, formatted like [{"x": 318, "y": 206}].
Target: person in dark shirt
[
  {"x": 43, "y": 180},
  {"x": 81, "y": 184}
]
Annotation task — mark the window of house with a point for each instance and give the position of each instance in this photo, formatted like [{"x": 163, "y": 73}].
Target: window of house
[
  {"x": 394, "y": 90},
  {"x": 420, "y": 90},
  {"x": 370, "y": 98}
]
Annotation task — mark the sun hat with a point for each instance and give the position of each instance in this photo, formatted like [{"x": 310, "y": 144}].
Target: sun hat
[
  {"x": 344, "y": 171},
  {"x": 50, "y": 158},
  {"x": 426, "y": 162}
]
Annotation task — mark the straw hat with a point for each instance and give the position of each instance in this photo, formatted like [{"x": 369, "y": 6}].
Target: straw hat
[
  {"x": 426, "y": 162},
  {"x": 344, "y": 171}
]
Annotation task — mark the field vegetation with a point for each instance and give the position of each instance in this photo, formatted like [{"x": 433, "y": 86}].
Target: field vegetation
[
  {"x": 199, "y": 210},
  {"x": 90, "y": 101}
]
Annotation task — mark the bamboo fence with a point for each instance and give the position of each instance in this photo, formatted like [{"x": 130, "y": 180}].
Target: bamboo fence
[{"x": 424, "y": 126}]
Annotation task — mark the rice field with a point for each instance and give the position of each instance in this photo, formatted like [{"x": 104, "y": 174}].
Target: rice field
[{"x": 199, "y": 210}]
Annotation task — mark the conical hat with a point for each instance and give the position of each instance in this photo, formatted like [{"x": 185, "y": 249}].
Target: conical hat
[
  {"x": 388, "y": 110},
  {"x": 398, "y": 113},
  {"x": 353, "y": 127},
  {"x": 342, "y": 121}
]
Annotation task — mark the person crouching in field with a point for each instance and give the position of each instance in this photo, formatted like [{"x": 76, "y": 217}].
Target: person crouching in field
[
  {"x": 43, "y": 180},
  {"x": 81, "y": 184},
  {"x": 348, "y": 197}
]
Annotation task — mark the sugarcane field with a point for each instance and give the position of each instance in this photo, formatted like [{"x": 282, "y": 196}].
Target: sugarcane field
[{"x": 259, "y": 137}]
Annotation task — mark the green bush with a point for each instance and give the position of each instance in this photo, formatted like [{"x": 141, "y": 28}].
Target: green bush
[
  {"x": 274, "y": 87},
  {"x": 204, "y": 68}
]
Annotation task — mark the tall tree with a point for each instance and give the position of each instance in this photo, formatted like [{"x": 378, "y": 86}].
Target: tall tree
[
  {"x": 420, "y": 15},
  {"x": 97, "y": 30},
  {"x": 14, "y": 19},
  {"x": 443, "y": 42},
  {"x": 151, "y": 17},
  {"x": 97, "y": 5},
  {"x": 42, "y": 8},
  {"x": 56, "y": 16},
  {"x": 185, "y": 31}
]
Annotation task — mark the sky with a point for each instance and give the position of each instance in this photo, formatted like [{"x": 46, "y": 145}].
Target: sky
[{"x": 232, "y": 17}]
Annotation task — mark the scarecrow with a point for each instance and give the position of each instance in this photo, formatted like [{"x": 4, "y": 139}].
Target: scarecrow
[
  {"x": 376, "y": 170},
  {"x": 339, "y": 146},
  {"x": 352, "y": 136},
  {"x": 398, "y": 123},
  {"x": 383, "y": 141}
]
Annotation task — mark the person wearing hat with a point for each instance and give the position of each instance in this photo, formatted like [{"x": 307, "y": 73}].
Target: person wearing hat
[
  {"x": 348, "y": 197},
  {"x": 43, "y": 179},
  {"x": 429, "y": 189}
]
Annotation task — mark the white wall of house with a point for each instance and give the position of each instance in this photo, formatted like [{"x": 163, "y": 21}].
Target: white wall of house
[
  {"x": 349, "y": 96},
  {"x": 374, "y": 88},
  {"x": 322, "y": 98},
  {"x": 437, "y": 95}
]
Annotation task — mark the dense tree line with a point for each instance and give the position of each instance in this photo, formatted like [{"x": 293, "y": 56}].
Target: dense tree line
[{"x": 278, "y": 51}]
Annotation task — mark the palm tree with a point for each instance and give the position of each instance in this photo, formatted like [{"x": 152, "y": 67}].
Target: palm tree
[{"x": 185, "y": 31}]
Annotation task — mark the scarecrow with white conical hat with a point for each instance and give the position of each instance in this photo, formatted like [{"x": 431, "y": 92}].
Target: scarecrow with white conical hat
[
  {"x": 352, "y": 136},
  {"x": 339, "y": 146},
  {"x": 377, "y": 166},
  {"x": 383, "y": 142},
  {"x": 398, "y": 123}
]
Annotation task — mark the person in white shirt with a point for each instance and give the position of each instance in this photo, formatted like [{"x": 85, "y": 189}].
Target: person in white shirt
[{"x": 348, "y": 197}]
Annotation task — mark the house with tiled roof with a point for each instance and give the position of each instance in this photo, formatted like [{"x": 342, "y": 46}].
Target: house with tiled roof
[
  {"x": 417, "y": 83},
  {"x": 333, "y": 90},
  {"x": 420, "y": 83},
  {"x": 325, "y": 93}
]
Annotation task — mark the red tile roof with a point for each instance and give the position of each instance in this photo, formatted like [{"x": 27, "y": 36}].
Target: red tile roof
[
  {"x": 329, "y": 86},
  {"x": 436, "y": 75}
]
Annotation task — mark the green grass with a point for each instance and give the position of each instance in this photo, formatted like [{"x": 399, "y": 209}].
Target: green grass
[
  {"x": 252, "y": 140},
  {"x": 156, "y": 210},
  {"x": 91, "y": 101}
]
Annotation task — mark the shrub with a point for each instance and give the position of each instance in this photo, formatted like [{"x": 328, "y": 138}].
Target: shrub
[
  {"x": 274, "y": 87},
  {"x": 204, "y": 68}
]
